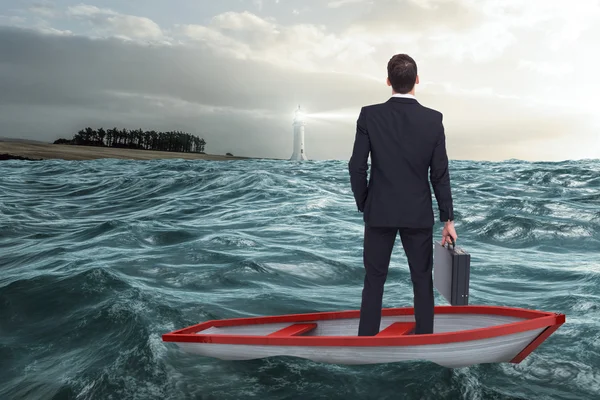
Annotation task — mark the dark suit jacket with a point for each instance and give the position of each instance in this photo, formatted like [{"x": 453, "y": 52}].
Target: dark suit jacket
[{"x": 406, "y": 142}]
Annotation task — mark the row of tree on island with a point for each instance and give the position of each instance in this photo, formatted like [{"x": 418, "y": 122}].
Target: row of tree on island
[{"x": 137, "y": 139}]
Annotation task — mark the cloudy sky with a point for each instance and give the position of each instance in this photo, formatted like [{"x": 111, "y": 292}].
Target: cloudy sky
[{"x": 513, "y": 78}]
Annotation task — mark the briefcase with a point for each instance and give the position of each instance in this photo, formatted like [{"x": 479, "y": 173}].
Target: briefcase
[{"x": 451, "y": 270}]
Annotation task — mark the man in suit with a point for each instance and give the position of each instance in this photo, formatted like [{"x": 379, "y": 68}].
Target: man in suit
[{"x": 406, "y": 142}]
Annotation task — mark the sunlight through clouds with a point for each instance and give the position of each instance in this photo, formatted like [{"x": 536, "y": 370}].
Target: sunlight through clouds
[{"x": 503, "y": 61}]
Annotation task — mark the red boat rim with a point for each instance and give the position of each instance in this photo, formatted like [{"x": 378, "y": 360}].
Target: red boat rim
[{"x": 532, "y": 320}]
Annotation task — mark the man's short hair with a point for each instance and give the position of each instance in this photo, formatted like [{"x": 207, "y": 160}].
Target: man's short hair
[{"x": 402, "y": 72}]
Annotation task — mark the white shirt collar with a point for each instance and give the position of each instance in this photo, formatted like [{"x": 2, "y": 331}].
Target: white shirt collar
[{"x": 407, "y": 95}]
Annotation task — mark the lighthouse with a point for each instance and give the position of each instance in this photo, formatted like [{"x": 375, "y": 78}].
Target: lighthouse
[{"x": 298, "y": 125}]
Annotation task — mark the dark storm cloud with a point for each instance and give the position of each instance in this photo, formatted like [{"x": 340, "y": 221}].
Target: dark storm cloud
[{"x": 50, "y": 69}]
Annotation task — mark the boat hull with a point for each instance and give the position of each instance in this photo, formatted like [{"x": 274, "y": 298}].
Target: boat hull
[
  {"x": 463, "y": 336},
  {"x": 454, "y": 355}
]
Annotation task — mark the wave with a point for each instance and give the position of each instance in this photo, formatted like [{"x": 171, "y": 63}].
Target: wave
[{"x": 100, "y": 258}]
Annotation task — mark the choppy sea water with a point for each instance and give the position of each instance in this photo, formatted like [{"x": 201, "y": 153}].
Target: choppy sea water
[{"x": 100, "y": 258}]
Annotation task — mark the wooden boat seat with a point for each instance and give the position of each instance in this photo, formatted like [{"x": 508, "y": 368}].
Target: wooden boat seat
[
  {"x": 293, "y": 330},
  {"x": 397, "y": 329}
]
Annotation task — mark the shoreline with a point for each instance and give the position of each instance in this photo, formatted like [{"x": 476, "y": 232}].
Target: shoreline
[{"x": 38, "y": 151}]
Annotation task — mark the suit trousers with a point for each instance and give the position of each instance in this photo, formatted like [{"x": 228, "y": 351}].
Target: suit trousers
[{"x": 378, "y": 246}]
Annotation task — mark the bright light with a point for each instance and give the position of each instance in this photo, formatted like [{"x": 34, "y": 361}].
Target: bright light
[{"x": 299, "y": 115}]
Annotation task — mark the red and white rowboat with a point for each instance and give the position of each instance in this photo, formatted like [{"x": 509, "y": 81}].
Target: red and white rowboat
[{"x": 463, "y": 336}]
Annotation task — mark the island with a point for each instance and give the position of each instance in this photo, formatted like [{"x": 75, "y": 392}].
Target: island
[{"x": 89, "y": 144}]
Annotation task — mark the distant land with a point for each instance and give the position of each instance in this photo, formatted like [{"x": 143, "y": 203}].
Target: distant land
[{"x": 11, "y": 148}]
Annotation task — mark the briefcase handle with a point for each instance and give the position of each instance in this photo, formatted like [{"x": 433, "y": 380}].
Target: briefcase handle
[{"x": 453, "y": 243}]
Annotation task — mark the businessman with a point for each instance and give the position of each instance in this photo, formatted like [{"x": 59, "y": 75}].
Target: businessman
[{"x": 407, "y": 145}]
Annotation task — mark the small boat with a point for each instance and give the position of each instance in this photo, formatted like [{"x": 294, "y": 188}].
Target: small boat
[{"x": 463, "y": 336}]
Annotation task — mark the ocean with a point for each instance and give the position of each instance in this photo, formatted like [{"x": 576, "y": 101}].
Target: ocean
[{"x": 100, "y": 258}]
